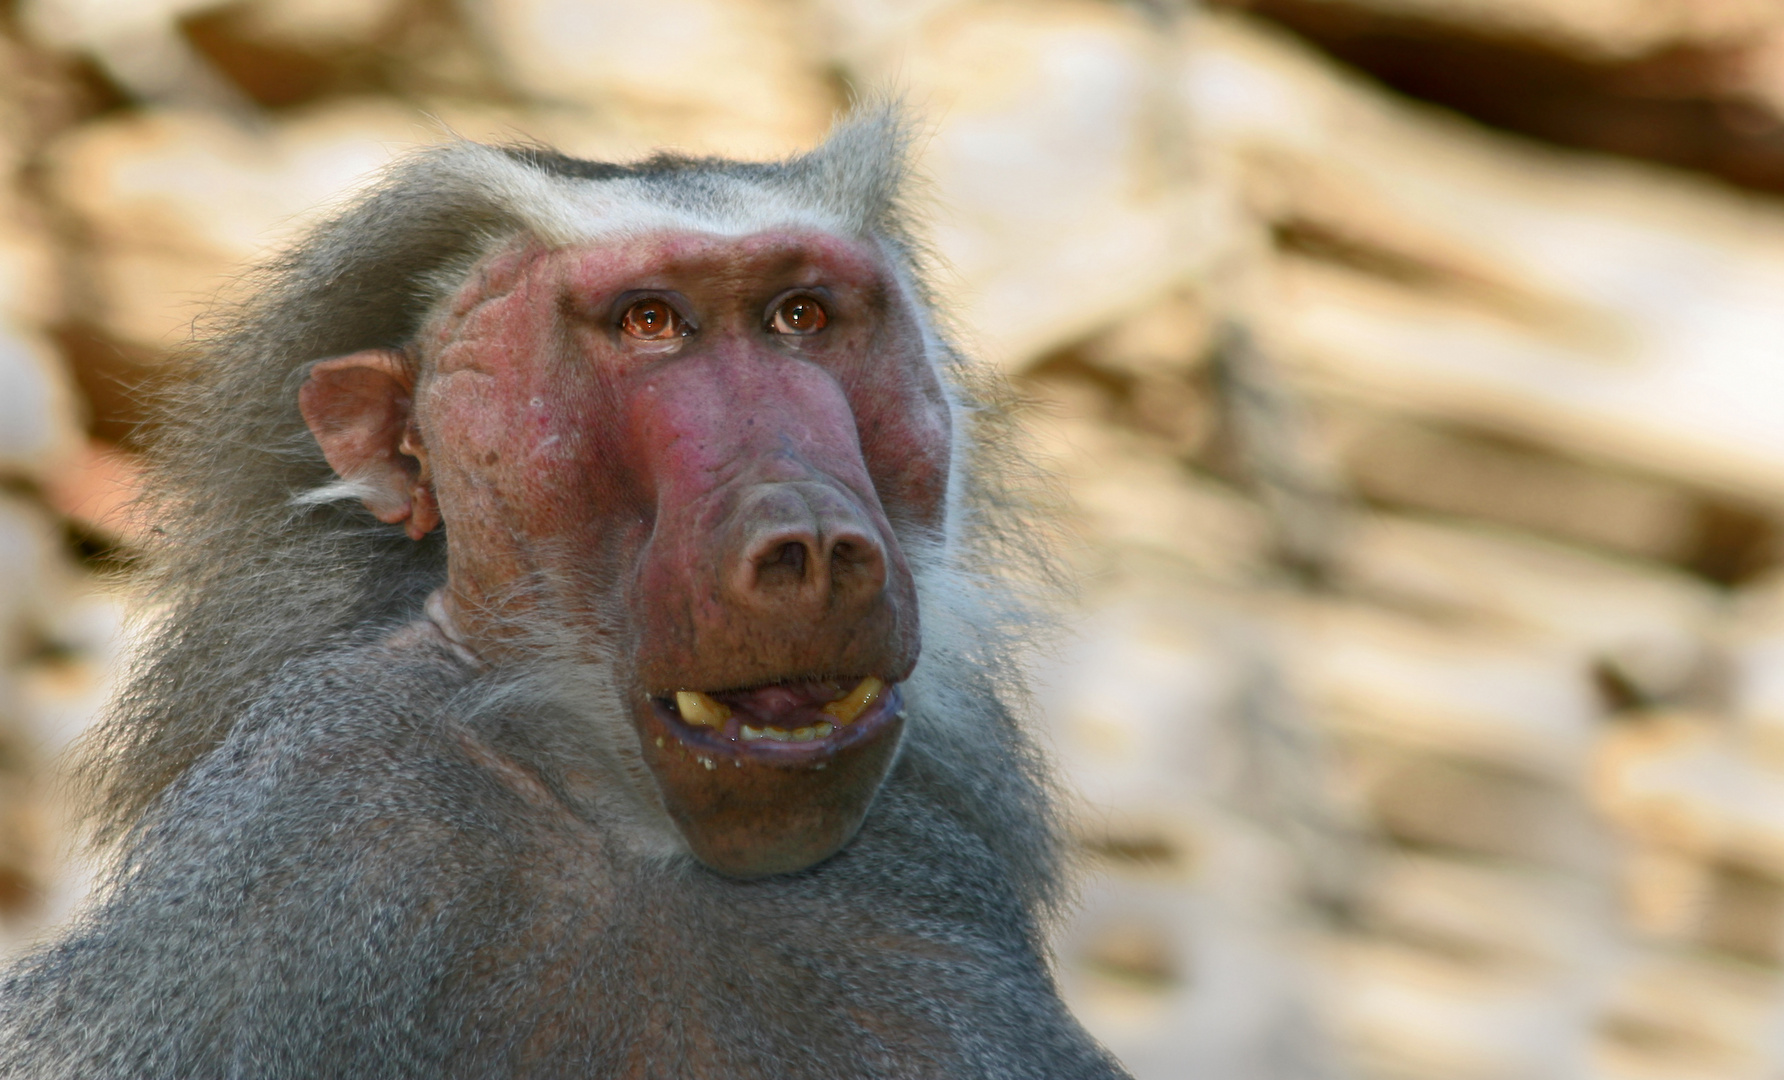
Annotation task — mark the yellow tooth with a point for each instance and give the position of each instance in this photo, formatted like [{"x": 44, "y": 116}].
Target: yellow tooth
[
  {"x": 845, "y": 709},
  {"x": 697, "y": 708}
]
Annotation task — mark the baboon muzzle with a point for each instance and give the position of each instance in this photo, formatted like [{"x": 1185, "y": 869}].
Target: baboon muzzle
[{"x": 778, "y": 616}]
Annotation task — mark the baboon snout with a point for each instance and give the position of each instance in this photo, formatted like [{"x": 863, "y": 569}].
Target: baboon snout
[
  {"x": 803, "y": 549},
  {"x": 794, "y": 578},
  {"x": 771, "y": 558}
]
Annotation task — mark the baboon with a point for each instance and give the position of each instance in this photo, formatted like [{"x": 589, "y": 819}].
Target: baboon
[{"x": 538, "y": 687}]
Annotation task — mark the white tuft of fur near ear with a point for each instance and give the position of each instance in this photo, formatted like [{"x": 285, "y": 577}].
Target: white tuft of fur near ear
[{"x": 346, "y": 490}]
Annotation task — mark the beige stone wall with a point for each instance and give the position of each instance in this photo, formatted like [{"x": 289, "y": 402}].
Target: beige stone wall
[{"x": 1425, "y": 695}]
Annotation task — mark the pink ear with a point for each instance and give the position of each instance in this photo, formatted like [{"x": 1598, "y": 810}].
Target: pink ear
[{"x": 357, "y": 406}]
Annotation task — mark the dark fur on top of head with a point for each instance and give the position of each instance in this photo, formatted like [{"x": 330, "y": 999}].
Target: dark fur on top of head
[{"x": 252, "y": 577}]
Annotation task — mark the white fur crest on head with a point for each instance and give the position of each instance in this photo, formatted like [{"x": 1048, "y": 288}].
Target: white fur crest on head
[{"x": 847, "y": 185}]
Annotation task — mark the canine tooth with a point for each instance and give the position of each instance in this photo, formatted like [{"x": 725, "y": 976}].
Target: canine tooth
[
  {"x": 845, "y": 709},
  {"x": 698, "y": 708}
]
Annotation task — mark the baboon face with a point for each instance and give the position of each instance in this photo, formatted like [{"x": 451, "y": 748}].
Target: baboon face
[{"x": 697, "y": 452}]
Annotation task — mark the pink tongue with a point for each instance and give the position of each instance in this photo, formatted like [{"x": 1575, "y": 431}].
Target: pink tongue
[{"x": 785, "y": 705}]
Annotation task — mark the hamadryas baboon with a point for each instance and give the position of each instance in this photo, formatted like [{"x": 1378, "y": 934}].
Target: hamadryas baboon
[{"x": 539, "y": 688}]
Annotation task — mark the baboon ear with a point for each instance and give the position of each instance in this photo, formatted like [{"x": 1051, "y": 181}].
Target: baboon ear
[{"x": 358, "y": 408}]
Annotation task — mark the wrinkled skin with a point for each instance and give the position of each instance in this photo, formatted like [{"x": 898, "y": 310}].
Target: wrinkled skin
[{"x": 717, "y": 497}]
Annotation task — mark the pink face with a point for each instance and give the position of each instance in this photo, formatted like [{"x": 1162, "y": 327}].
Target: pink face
[{"x": 702, "y": 450}]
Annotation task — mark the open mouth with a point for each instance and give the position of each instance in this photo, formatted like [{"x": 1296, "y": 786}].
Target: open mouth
[
  {"x": 810, "y": 718},
  {"x": 771, "y": 778}
]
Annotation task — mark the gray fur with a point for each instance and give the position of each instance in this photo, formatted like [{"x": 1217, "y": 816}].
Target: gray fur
[{"x": 314, "y": 870}]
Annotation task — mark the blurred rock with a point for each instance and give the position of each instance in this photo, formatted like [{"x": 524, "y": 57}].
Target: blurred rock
[
  {"x": 1693, "y": 83},
  {"x": 284, "y": 53},
  {"x": 738, "y": 77},
  {"x": 139, "y": 45},
  {"x": 1744, "y": 915},
  {"x": 36, "y": 586},
  {"x": 30, "y": 277},
  {"x": 96, "y": 491},
  {"x": 38, "y": 419},
  {"x": 34, "y": 580},
  {"x": 78, "y": 23},
  {"x": 319, "y": 24},
  {"x": 1607, "y": 607},
  {"x": 1129, "y": 497},
  {"x": 1506, "y": 700},
  {"x": 1066, "y": 194},
  {"x": 1434, "y": 801},
  {"x": 1451, "y": 472},
  {"x": 1494, "y": 915},
  {"x": 1604, "y": 29},
  {"x": 1665, "y": 892},
  {"x": 1649, "y": 347},
  {"x": 1168, "y": 337},
  {"x": 1670, "y": 1015},
  {"x": 1683, "y": 782},
  {"x": 175, "y": 202},
  {"x": 1198, "y": 978},
  {"x": 1408, "y": 1013}
]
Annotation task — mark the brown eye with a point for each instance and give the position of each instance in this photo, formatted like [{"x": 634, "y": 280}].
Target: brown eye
[
  {"x": 800, "y": 315},
  {"x": 651, "y": 320}
]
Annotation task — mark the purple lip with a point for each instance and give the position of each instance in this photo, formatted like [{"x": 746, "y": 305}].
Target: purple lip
[{"x": 730, "y": 745}]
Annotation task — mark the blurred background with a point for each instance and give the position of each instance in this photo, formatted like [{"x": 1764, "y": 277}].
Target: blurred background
[{"x": 1415, "y": 367}]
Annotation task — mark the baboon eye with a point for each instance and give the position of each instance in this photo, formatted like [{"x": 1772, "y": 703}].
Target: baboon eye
[
  {"x": 652, "y": 320},
  {"x": 799, "y": 315}
]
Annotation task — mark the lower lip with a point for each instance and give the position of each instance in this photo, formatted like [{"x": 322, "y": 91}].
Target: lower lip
[{"x": 873, "y": 721}]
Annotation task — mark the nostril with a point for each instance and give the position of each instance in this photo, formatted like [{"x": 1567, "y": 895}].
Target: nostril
[
  {"x": 854, "y": 551},
  {"x": 790, "y": 555},
  {"x": 801, "y": 548},
  {"x": 781, "y": 564},
  {"x": 856, "y": 564}
]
